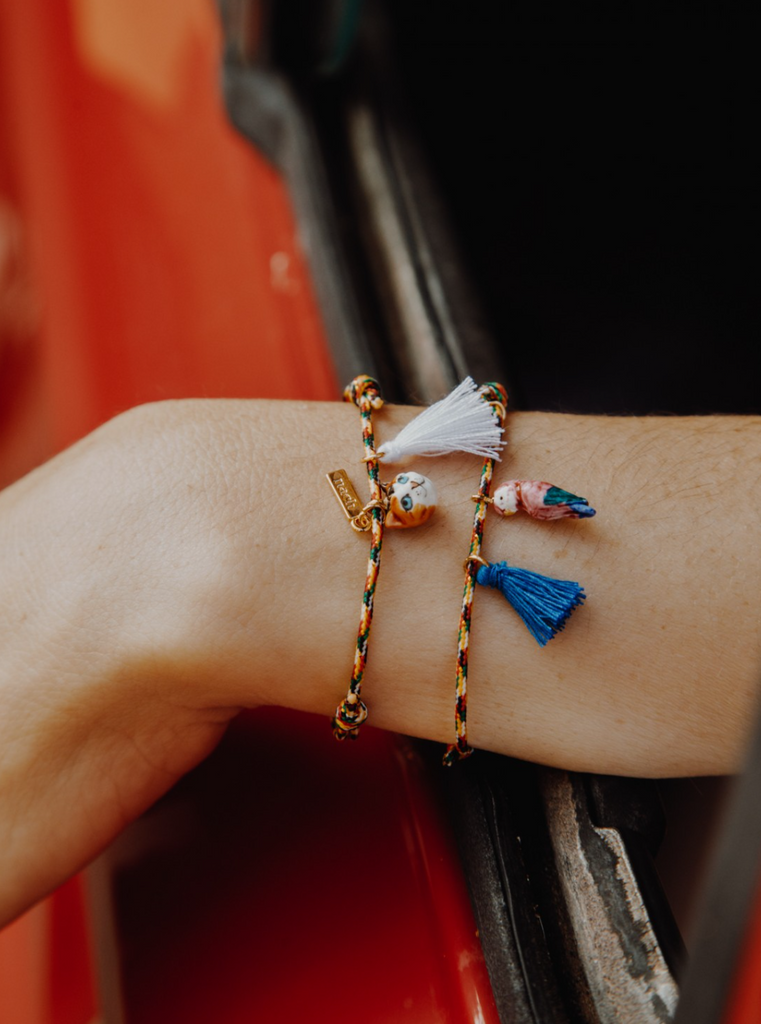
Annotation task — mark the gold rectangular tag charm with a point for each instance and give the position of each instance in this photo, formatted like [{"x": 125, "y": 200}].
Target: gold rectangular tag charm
[{"x": 348, "y": 499}]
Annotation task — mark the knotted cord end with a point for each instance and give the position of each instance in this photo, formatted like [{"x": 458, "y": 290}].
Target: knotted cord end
[
  {"x": 494, "y": 393},
  {"x": 364, "y": 388},
  {"x": 455, "y": 753},
  {"x": 349, "y": 716}
]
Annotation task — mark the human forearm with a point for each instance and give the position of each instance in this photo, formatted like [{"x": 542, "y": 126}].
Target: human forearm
[
  {"x": 655, "y": 675},
  {"x": 92, "y": 725},
  {"x": 188, "y": 559}
]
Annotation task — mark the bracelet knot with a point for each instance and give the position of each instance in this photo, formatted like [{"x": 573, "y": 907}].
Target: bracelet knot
[
  {"x": 350, "y": 714},
  {"x": 364, "y": 390},
  {"x": 456, "y": 752}
]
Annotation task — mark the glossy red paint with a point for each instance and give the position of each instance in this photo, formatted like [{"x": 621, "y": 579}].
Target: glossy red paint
[
  {"x": 326, "y": 886},
  {"x": 314, "y": 881},
  {"x": 744, "y": 1004}
]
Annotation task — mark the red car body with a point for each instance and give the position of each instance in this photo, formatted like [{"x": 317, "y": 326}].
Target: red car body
[{"x": 165, "y": 263}]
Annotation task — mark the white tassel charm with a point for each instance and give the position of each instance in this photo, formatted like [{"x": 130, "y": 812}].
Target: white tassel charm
[{"x": 461, "y": 422}]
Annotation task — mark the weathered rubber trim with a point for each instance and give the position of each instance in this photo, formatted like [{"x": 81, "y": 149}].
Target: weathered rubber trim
[
  {"x": 626, "y": 972},
  {"x": 262, "y": 106},
  {"x": 493, "y": 808}
]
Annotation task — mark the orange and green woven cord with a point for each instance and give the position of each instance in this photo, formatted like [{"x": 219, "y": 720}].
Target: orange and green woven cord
[
  {"x": 496, "y": 396},
  {"x": 364, "y": 391}
]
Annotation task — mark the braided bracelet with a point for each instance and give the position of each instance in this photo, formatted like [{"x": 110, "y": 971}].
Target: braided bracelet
[
  {"x": 352, "y": 711},
  {"x": 543, "y": 603},
  {"x": 494, "y": 395}
]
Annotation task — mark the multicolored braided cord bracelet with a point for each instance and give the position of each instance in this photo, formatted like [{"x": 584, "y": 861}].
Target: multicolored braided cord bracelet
[
  {"x": 543, "y": 603},
  {"x": 496, "y": 398},
  {"x": 352, "y": 711}
]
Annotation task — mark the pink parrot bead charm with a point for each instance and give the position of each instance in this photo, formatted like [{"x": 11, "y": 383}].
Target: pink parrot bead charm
[{"x": 539, "y": 500}]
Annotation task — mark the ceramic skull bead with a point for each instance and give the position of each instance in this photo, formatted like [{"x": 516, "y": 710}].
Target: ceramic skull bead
[{"x": 412, "y": 500}]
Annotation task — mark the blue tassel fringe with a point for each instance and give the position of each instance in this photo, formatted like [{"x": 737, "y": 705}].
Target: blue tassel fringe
[{"x": 543, "y": 603}]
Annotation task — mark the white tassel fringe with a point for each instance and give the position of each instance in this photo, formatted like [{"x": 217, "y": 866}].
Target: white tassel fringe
[{"x": 461, "y": 422}]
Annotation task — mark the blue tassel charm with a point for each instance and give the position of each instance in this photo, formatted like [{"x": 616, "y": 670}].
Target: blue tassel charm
[{"x": 543, "y": 603}]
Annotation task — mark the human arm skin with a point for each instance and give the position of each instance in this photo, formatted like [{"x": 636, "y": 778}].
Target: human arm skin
[{"x": 188, "y": 560}]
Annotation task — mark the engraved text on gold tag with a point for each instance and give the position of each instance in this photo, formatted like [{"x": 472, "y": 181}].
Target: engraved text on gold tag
[{"x": 349, "y": 499}]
